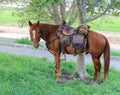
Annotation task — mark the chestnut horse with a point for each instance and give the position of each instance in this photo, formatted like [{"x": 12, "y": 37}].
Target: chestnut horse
[{"x": 97, "y": 45}]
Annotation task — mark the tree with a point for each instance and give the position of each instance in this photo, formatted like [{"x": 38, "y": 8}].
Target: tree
[
  {"x": 55, "y": 11},
  {"x": 50, "y": 10},
  {"x": 80, "y": 67}
]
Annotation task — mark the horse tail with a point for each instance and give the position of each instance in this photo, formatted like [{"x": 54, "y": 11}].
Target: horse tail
[{"x": 106, "y": 59}]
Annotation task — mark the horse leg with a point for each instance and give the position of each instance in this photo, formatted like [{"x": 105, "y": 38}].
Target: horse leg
[
  {"x": 97, "y": 66},
  {"x": 57, "y": 66},
  {"x": 63, "y": 55}
]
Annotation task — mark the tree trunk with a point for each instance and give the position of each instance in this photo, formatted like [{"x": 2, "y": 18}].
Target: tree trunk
[
  {"x": 81, "y": 11},
  {"x": 80, "y": 67}
]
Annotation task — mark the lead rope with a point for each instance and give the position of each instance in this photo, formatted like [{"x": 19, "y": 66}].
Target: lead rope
[{"x": 46, "y": 49}]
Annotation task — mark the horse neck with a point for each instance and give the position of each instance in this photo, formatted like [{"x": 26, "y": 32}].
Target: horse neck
[{"x": 48, "y": 31}]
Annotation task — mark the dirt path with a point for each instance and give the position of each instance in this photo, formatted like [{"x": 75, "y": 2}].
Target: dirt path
[
  {"x": 13, "y": 29},
  {"x": 114, "y": 38},
  {"x": 13, "y": 32}
]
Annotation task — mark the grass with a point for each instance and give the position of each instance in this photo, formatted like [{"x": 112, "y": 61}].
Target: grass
[
  {"x": 7, "y": 16},
  {"x": 24, "y": 41},
  {"x": 22, "y": 75},
  {"x": 105, "y": 23},
  {"x": 115, "y": 53}
]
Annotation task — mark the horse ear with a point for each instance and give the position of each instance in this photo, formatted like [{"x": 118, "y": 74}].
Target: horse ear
[
  {"x": 63, "y": 22},
  {"x": 88, "y": 27},
  {"x": 38, "y": 23},
  {"x": 30, "y": 23}
]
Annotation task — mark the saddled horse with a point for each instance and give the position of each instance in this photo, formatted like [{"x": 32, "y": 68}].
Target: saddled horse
[{"x": 97, "y": 45}]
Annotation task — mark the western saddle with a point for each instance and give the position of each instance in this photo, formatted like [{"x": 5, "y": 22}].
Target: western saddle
[{"x": 68, "y": 35}]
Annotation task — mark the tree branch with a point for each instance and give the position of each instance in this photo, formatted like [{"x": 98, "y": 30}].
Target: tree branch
[
  {"x": 62, "y": 10},
  {"x": 72, "y": 19},
  {"x": 101, "y": 14}
]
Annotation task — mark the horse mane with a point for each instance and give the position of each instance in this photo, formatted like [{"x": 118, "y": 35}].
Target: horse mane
[{"x": 48, "y": 27}]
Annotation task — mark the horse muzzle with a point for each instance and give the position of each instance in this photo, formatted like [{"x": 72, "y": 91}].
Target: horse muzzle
[{"x": 36, "y": 44}]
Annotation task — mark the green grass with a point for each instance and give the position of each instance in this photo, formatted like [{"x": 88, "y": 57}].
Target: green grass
[
  {"x": 24, "y": 41},
  {"x": 22, "y": 75},
  {"x": 8, "y": 16},
  {"x": 115, "y": 53},
  {"x": 106, "y": 23}
]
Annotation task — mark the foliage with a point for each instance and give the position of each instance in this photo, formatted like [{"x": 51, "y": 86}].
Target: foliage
[
  {"x": 45, "y": 11},
  {"x": 54, "y": 11},
  {"x": 24, "y": 41},
  {"x": 57, "y": 10},
  {"x": 116, "y": 8},
  {"x": 22, "y": 75},
  {"x": 98, "y": 6}
]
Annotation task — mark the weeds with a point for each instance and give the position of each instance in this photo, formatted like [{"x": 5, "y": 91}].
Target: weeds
[{"x": 22, "y": 75}]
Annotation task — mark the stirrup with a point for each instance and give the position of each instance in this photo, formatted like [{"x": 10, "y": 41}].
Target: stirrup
[{"x": 63, "y": 56}]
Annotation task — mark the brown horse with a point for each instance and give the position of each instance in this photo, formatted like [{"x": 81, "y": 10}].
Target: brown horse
[{"x": 96, "y": 46}]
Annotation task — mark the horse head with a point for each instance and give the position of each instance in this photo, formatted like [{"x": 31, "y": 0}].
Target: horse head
[{"x": 34, "y": 30}]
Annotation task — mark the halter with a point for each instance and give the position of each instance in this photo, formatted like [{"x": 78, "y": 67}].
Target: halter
[{"x": 47, "y": 43}]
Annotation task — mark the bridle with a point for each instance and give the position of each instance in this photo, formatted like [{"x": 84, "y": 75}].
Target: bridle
[{"x": 47, "y": 43}]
